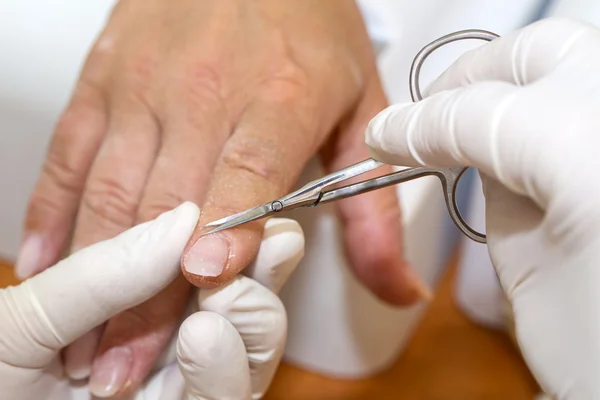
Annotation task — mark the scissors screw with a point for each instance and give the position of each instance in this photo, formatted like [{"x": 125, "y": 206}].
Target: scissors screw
[{"x": 277, "y": 206}]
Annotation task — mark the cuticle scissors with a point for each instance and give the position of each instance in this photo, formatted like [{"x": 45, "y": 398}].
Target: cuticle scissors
[{"x": 320, "y": 191}]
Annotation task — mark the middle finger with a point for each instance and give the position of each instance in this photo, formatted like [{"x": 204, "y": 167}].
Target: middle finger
[
  {"x": 193, "y": 133},
  {"x": 111, "y": 195}
]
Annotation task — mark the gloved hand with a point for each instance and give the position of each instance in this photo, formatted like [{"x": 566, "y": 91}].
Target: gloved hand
[
  {"x": 229, "y": 349},
  {"x": 524, "y": 110}
]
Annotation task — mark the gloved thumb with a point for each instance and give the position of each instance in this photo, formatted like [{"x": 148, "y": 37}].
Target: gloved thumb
[
  {"x": 213, "y": 359},
  {"x": 52, "y": 309}
]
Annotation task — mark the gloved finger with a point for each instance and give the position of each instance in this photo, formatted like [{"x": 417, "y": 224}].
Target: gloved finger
[
  {"x": 521, "y": 57},
  {"x": 280, "y": 251},
  {"x": 372, "y": 222},
  {"x": 49, "y": 311},
  {"x": 213, "y": 359},
  {"x": 480, "y": 126},
  {"x": 259, "y": 317}
]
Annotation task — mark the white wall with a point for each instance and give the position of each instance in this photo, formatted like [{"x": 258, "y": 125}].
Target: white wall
[{"x": 42, "y": 46}]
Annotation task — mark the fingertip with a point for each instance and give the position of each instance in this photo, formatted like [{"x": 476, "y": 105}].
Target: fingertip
[
  {"x": 79, "y": 355},
  {"x": 184, "y": 217},
  {"x": 212, "y": 357},
  {"x": 391, "y": 278},
  {"x": 418, "y": 289},
  {"x": 207, "y": 259},
  {"x": 177, "y": 223},
  {"x": 202, "y": 335},
  {"x": 215, "y": 259},
  {"x": 381, "y": 155},
  {"x": 379, "y": 123},
  {"x": 30, "y": 258},
  {"x": 374, "y": 245},
  {"x": 384, "y": 135}
]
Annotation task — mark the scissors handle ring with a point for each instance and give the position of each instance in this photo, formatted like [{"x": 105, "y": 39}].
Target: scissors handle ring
[
  {"x": 449, "y": 178},
  {"x": 419, "y": 60}
]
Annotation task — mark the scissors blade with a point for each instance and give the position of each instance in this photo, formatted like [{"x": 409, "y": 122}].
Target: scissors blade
[
  {"x": 224, "y": 220},
  {"x": 243, "y": 217}
]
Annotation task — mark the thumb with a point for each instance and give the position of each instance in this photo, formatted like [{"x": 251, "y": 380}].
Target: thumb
[
  {"x": 372, "y": 222},
  {"x": 51, "y": 310}
]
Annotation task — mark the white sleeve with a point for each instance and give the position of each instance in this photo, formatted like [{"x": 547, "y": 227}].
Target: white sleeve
[{"x": 377, "y": 27}]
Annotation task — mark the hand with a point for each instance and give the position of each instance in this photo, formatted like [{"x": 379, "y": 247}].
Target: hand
[
  {"x": 228, "y": 348},
  {"x": 220, "y": 103},
  {"x": 523, "y": 109}
]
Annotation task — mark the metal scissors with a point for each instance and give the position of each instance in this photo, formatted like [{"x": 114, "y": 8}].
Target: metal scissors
[{"x": 321, "y": 191}]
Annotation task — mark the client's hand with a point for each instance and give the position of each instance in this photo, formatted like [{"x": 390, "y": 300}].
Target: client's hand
[{"x": 228, "y": 348}]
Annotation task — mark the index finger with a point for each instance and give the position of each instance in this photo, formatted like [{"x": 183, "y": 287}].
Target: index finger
[{"x": 258, "y": 164}]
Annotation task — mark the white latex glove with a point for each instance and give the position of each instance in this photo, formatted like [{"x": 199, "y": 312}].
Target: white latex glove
[
  {"x": 525, "y": 110},
  {"x": 228, "y": 350}
]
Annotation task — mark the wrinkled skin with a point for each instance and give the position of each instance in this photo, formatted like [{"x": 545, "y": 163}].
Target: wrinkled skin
[{"x": 221, "y": 103}]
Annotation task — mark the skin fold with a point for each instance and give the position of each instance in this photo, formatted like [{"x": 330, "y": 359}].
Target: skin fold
[{"x": 222, "y": 103}]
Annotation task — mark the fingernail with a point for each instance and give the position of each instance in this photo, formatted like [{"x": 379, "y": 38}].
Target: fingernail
[
  {"x": 110, "y": 372},
  {"x": 29, "y": 256},
  {"x": 79, "y": 355},
  {"x": 423, "y": 290},
  {"x": 418, "y": 287},
  {"x": 208, "y": 256}
]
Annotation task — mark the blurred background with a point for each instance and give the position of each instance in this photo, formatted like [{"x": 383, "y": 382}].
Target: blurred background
[{"x": 343, "y": 343}]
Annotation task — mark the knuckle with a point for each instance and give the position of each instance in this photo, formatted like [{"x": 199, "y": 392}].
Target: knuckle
[
  {"x": 140, "y": 67},
  {"x": 199, "y": 95},
  {"x": 41, "y": 204},
  {"x": 205, "y": 75},
  {"x": 249, "y": 159},
  {"x": 89, "y": 94},
  {"x": 109, "y": 200},
  {"x": 62, "y": 173},
  {"x": 203, "y": 81},
  {"x": 287, "y": 85},
  {"x": 79, "y": 127},
  {"x": 105, "y": 46},
  {"x": 135, "y": 81},
  {"x": 87, "y": 108}
]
